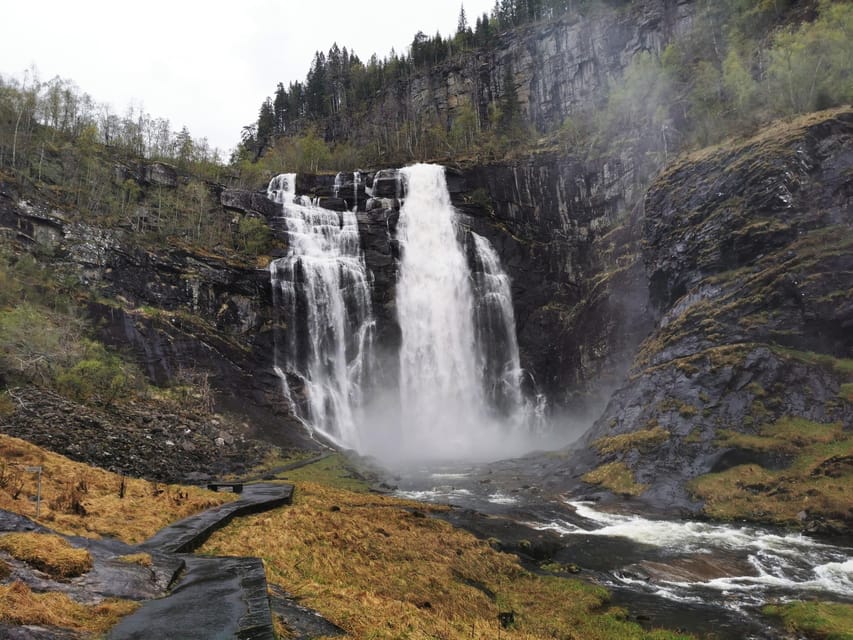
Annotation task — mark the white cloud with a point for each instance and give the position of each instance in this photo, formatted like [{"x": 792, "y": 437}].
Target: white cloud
[{"x": 207, "y": 65}]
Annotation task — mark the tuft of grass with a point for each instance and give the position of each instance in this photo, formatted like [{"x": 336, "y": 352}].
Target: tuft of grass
[
  {"x": 786, "y": 435},
  {"x": 615, "y": 477},
  {"x": 142, "y": 559},
  {"x": 47, "y": 552},
  {"x": 644, "y": 440},
  {"x": 20, "y": 606},
  {"x": 378, "y": 568},
  {"x": 846, "y": 392},
  {"x": 686, "y": 410},
  {"x": 821, "y": 620},
  {"x": 818, "y": 481},
  {"x": 82, "y": 500}
]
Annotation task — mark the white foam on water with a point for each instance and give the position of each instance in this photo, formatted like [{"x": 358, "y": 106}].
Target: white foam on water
[{"x": 784, "y": 563}]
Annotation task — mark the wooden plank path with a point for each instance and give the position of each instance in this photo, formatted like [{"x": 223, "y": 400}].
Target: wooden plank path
[
  {"x": 214, "y": 598},
  {"x": 187, "y": 535}
]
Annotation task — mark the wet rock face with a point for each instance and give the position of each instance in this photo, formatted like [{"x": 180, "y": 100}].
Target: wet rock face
[
  {"x": 749, "y": 260},
  {"x": 768, "y": 194},
  {"x": 562, "y": 230},
  {"x": 252, "y": 202}
]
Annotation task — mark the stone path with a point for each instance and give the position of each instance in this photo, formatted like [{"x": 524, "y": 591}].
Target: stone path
[{"x": 215, "y": 599}]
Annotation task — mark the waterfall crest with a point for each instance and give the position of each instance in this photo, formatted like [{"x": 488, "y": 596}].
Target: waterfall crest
[{"x": 322, "y": 291}]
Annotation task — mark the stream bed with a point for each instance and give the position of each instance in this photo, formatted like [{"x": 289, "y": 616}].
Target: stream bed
[{"x": 706, "y": 578}]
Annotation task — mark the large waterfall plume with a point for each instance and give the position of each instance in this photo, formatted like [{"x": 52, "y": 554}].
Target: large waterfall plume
[
  {"x": 459, "y": 390},
  {"x": 460, "y": 377},
  {"x": 322, "y": 289}
]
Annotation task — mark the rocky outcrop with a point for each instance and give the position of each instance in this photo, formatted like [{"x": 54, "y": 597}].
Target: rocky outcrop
[
  {"x": 252, "y": 202},
  {"x": 564, "y": 232},
  {"x": 180, "y": 313},
  {"x": 144, "y": 441},
  {"x": 748, "y": 254}
]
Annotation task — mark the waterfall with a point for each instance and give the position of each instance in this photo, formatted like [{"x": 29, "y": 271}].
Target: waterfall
[
  {"x": 459, "y": 371},
  {"x": 322, "y": 291},
  {"x": 494, "y": 322},
  {"x": 455, "y": 391}
]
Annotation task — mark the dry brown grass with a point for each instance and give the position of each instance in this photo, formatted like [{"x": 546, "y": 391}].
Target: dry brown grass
[
  {"x": 47, "y": 552},
  {"x": 20, "y": 606},
  {"x": 615, "y": 477},
  {"x": 381, "y": 568},
  {"x": 142, "y": 559},
  {"x": 644, "y": 440},
  {"x": 82, "y": 500}
]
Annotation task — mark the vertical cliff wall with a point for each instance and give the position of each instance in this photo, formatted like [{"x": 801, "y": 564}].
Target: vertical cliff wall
[{"x": 557, "y": 68}]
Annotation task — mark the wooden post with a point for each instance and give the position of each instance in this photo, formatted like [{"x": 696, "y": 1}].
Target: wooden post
[{"x": 38, "y": 490}]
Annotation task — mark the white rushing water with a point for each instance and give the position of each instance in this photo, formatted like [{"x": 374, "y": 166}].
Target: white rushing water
[
  {"x": 494, "y": 323},
  {"x": 782, "y": 565},
  {"x": 460, "y": 391},
  {"x": 322, "y": 289}
]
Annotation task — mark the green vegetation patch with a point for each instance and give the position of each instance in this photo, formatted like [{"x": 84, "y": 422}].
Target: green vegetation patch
[
  {"x": 823, "y": 620},
  {"x": 644, "y": 440},
  {"x": 616, "y": 477},
  {"x": 332, "y": 471},
  {"x": 818, "y": 482},
  {"x": 843, "y": 366}
]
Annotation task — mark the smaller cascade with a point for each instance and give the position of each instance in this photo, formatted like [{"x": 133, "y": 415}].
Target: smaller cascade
[
  {"x": 494, "y": 324},
  {"x": 282, "y": 188},
  {"x": 321, "y": 290}
]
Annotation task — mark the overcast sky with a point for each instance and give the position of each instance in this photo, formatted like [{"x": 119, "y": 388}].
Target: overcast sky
[{"x": 205, "y": 64}]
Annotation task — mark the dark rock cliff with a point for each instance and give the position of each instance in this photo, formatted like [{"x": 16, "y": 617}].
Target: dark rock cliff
[
  {"x": 558, "y": 68},
  {"x": 563, "y": 229},
  {"x": 748, "y": 250},
  {"x": 177, "y": 312}
]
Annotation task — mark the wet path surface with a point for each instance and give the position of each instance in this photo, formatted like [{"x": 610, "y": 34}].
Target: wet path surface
[
  {"x": 190, "y": 533},
  {"x": 184, "y": 597},
  {"x": 214, "y": 598}
]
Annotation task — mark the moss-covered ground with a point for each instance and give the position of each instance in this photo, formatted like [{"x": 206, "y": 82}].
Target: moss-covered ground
[
  {"x": 616, "y": 477},
  {"x": 819, "y": 620}
]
